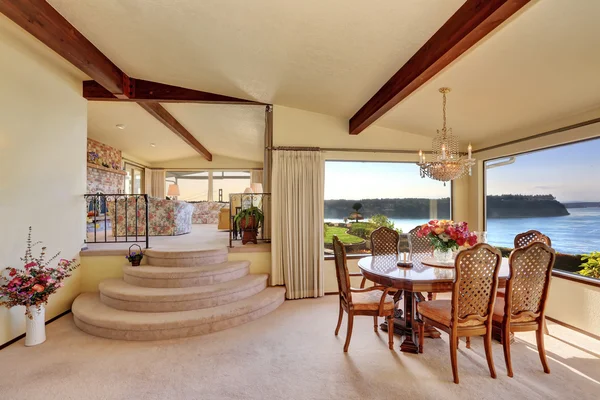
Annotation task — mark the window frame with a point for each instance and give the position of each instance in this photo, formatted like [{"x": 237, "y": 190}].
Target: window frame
[
  {"x": 557, "y": 273},
  {"x": 358, "y": 256}
]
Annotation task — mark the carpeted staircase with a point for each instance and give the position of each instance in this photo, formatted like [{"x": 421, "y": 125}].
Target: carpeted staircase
[{"x": 178, "y": 294}]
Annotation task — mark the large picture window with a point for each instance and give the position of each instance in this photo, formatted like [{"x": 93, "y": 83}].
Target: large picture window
[
  {"x": 208, "y": 185},
  {"x": 361, "y": 196},
  {"x": 553, "y": 191}
]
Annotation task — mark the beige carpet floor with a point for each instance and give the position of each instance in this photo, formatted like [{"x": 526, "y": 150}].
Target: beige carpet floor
[{"x": 291, "y": 354}]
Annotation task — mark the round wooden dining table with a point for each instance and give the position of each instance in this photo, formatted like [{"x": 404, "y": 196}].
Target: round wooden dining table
[{"x": 412, "y": 283}]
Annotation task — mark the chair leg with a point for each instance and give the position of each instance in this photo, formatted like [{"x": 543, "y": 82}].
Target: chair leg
[
  {"x": 363, "y": 282},
  {"x": 539, "y": 335},
  {"x": 468, "y": 340},
  {"x": 375, "y": 324},
  {"x": 506, "y": 346},
  {"x": 421, "y": 326},
  {"x": 339, "y": 324},
  {"x": 453, "y": 356},
  {"x": 349, "y": 332},
  {"x": 487, "y": 342},
  {"x": 390, "y": 321}
]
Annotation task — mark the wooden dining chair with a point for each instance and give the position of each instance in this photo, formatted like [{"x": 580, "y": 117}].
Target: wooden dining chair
[
  {"x": 372, "y": 301},
  {"x": 532, "y": 236},
  {"x": 524, "y": 305},
  {"x": 419, "y": 248},
  {"x": 525, "y": 238},
  {"x": 384, "y": 241},
  {"x": 469, "y": 312}
]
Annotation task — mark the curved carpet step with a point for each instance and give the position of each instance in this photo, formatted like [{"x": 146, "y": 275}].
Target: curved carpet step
[
  {"x": 117, "y": 293},
  {"x": 178, "y": 277},
  {"x": 96, "y": 318},
  {"x": 185, "y": 258}
]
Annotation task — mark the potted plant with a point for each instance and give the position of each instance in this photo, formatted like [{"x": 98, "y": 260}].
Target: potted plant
[
  {"x": 135, "y": 257},
  {"x": 249, "y": 220},
  {"x": 31, "y": 287}
]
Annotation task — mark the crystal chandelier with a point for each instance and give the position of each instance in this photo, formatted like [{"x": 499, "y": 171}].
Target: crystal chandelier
[{"x": 447, "y": 163}]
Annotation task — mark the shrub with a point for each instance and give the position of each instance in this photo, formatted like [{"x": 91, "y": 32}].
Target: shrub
[
  {"x": 591, "y": 266},
  {"x": 381, "y": 220},
  {"x": 362, "y": 229}
]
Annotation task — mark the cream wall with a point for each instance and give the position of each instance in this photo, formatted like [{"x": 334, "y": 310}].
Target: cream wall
[
  {"x": 42, "y": 161},
  {"x": 294, "y": 127}
]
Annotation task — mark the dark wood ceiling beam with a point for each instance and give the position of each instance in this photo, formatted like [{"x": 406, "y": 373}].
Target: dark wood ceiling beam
[
  {"x": 161, "y": 114},
  {"x": 42, "y": 21},
  {"x": 471, "y": 23},
  {"x": 142, "y": 91}
]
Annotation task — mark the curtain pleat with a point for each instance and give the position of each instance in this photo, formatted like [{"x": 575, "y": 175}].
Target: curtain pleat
[
  {"x": 157, "y": 188},
  {"x": 297, "y": 213}
]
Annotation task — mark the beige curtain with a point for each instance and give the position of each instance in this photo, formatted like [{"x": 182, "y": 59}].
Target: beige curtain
[
  {"x": 256, "y": 176},
  {"x": 147, "y": 180},
  {"x": 297, "y": 228},
  {"x": 157, "y": 183}
]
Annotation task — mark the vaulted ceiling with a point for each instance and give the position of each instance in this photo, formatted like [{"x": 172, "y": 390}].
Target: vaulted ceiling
[{"x": 331, "y": 57}]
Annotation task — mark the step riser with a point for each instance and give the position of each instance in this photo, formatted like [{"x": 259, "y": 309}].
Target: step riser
[
  {"x": 187, "y": 262},
  {"x": 161, "y": 334},
  {"x": 185, "y": 282},
  {"x": 183, "y": 305}
]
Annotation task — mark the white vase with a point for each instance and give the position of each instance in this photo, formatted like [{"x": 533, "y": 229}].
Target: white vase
[
  {"x": 35, "y": 327},
  {"x": 443, "y": 256}
]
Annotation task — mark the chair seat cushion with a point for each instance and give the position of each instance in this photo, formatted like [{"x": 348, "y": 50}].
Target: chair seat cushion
[
  {"x": 370, "y": 301},
  {"x": 440, "y": 311},
  {"x": 499, "y": 313}
]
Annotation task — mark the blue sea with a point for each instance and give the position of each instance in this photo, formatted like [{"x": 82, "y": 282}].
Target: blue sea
[{"x": 576, "y": 233}]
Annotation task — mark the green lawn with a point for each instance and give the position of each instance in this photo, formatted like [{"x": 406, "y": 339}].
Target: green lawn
[{"x": 341, "y": 234}]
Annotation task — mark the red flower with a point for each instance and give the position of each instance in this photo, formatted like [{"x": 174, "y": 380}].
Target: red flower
[
  {"x": 472, "y": 240},
  {"x": 29, "y": 265},
  {"x": 12, "y": 272},
  {"x": 37, "y": 288}
]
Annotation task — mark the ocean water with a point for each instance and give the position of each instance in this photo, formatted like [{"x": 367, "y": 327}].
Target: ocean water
[{"x": 577, "y": 233}]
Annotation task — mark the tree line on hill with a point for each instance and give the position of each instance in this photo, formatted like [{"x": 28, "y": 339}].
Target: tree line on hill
[{"x": 501, "y": 206}]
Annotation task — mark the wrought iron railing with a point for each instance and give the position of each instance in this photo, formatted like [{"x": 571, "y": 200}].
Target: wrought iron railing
[
  {"x": 243, "y": 201},
  {"x": 117, "y": 218}
]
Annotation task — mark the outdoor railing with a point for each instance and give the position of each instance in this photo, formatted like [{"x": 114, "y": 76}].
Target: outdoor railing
[
  {"x": 107, "y": 213},
  {"x": 242, "y": 201}
]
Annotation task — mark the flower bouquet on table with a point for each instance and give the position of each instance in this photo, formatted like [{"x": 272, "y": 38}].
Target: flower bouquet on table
[
  {"x": 32, "y": 286},
  {"x": 446, "y": 236}
]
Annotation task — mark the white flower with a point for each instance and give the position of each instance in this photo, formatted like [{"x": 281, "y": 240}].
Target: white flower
[{"x": 444, "y": 236}]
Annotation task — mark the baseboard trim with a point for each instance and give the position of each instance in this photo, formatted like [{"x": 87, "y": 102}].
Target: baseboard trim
[
  {"x": 3, "y": 346},
  {"x": 576, "y": 329}
]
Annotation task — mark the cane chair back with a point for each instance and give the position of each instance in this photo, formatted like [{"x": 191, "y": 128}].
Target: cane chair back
[
  {"x": 533, "y": 236},
  {"x": 475, "y": 285},
  {"x": 419, "y": 247},
  {"x": 341, "y": 270},
  {"x": 529, "y": 281},
  {"x": 384, "y": 241}
]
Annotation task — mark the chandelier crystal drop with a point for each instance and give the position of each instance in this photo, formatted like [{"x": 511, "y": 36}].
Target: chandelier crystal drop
[{"x": 447, "y": 163}]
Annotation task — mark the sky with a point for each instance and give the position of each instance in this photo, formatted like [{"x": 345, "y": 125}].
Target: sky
[
  {"x": 372, "y": 180},
  {"x": 570, "y": 173}
]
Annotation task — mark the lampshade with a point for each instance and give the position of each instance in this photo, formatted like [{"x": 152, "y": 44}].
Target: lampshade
[
  {"x": 248, "y": 190},
  {"x": 173, "y": 190},
  {"x": 257, "y": 187}
]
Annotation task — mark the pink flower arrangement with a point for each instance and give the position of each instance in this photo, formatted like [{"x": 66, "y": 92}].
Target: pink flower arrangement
[
  {"x": 447, "y": 235},
  {"x": 33, "y": 285}
]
